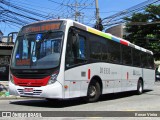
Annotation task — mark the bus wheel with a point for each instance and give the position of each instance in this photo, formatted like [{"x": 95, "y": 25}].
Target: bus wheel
[
  {"x": 139, "y": 87},
  {"x": 94, "y": 91}
]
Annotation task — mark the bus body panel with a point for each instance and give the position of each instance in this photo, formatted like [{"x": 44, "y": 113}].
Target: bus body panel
[
  {"x": 130, "y": 76},
  {"x": 110, "y": 74},
  {"x": 76, "y": 80},
  {"x": 148, "y": 78},
  {"x": 49, "y": 91},
  {"x": 112, "y": 80}
]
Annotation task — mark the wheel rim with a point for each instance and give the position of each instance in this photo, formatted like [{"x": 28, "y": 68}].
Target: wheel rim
[
  {"x": 140, "y": 87},
  {"x": 92, "y": 91}
]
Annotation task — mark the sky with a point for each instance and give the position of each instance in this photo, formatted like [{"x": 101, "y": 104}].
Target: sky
[{"x": 52, "y": 8}]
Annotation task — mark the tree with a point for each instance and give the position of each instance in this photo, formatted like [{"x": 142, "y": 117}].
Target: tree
[{"x": 144, "y": 29}]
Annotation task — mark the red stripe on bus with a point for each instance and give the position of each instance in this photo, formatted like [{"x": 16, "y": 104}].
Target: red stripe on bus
[
  {"x": 124, "y": 42},
  {"x": 89, "y": 74},
  {"x": 31, "y": 82}
]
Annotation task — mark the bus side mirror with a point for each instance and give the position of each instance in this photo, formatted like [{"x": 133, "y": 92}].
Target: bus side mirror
[{"x": 11, "y": 37}]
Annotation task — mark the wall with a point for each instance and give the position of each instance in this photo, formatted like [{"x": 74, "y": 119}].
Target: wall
[{"x": 116, "y": 30}]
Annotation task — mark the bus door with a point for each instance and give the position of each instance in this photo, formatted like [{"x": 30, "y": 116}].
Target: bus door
[{"x": 75, "y": 64}]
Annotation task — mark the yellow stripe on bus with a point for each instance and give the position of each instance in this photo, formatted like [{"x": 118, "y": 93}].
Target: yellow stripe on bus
[{"x": 97, "y": 32}]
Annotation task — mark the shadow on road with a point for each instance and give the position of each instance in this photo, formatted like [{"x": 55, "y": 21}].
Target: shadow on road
[
  {"x": 114, "y": 96},
  {"x": 71, "y": 102},
  {"x": 49, "y": 104}
]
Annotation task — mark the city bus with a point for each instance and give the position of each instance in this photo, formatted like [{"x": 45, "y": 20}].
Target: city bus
[{"x": 63, "y": 59}]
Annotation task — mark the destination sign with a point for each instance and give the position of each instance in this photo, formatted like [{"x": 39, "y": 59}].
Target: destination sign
[
  {"x": 23, "y": 62},
  {"x": 39, "y": 27}
]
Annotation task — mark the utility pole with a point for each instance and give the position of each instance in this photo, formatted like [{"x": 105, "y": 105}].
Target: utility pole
[
  {"x": 76, "y": 5},
  {"x": 98, "y": 24},
  {"x": 97, "y": 11},
  {"x": 76, "y": 13}
]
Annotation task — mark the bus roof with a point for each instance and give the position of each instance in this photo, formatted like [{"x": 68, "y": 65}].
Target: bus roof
[
  {"x": 99, "y": 33},
  {"x": 111, "y": 37}
]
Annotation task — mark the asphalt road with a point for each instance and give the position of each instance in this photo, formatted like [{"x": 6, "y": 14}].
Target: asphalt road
[{"x": 126, "y": 102}]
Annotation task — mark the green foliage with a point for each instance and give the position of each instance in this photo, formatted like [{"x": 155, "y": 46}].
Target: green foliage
[
  {"x": 144, "y": 29},
  {"x": 2, "y": 93}
]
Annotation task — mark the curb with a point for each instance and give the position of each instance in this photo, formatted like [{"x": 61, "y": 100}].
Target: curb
[{"x": 13, "y": 97}]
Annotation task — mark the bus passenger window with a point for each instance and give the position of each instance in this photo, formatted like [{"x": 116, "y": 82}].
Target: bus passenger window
[
  {"x": 113, "y": 52},
  {"x": 76, "y": 49},
  {"x": 95, "y": 47},
  {"x": 136, "y": 58},
  {"x": 95, "y": 50},
  {"x": 126, "y": 55},
  {"x": 150, "y": 61},
  {"x": 82, "y": 47},
  {"x": 144, "y": 62}
]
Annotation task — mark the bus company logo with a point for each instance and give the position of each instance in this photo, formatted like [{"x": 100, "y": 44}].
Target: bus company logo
[
  {"x": 28, "y": 84},
  {"x": 6, "y": 114},
  {"x": 136, "y": 73}
]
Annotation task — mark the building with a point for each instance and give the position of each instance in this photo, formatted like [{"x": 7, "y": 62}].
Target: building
[
  {"x": 6, "y": 46},
  {"x": 5, "y": 54},
  {"x": 117, "y": 30},
  {"x": 1, "y": 35},
  {"x": 4, "y": 39}
]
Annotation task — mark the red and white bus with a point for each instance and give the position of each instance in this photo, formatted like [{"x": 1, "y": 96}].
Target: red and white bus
[{"x": 61, "y": 59}]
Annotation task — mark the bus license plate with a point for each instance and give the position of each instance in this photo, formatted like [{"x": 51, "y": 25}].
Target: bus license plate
[{"x": 28, "y": 90}]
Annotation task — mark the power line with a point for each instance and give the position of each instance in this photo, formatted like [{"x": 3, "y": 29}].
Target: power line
[
  {"x": 21, "y": 9},
  {"x": 118, "y": 17}
]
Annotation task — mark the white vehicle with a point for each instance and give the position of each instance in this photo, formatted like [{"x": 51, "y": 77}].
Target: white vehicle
[{"x": 63, "y": 59}]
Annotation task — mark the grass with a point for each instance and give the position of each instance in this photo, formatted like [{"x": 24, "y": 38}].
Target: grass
[{"x": 2, "y": 93}]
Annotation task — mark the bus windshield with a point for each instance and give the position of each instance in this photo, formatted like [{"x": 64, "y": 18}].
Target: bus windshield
[{"x": 37, "y": 51}]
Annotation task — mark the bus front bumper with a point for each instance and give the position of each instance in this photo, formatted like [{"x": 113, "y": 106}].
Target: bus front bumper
[{"x": 48, "y": 91}]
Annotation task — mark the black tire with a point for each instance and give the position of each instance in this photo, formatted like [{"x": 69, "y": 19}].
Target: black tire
[
  {"x": 94, "y": 91},
  {"x": 51, "y": 100},
  {"x": 139, "y": 87}
]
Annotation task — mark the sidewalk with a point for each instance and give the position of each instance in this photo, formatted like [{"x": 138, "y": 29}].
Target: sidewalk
[
  {"x": 11, "y": 97},
  {"x": 4, "y": 95}
]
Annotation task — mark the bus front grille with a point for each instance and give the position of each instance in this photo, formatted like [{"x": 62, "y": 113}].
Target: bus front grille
[{"x": 34, "y": 93}]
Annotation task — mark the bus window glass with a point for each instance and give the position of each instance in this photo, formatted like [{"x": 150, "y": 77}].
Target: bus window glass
[
  {"x": 33, "y": 50},
  {"x": 75, "y": 53},
  {"x": 95, "y": 47},
  {"x": 104, "y": 48},
  {"x": 144, "y": 62},
  {"x": 95, "y": 50},
  {"x": 113, "y": 52},
  {"x": 150, "y": 61},
  {"x": 126, "y": 55},
  {"x": 136, "y": 58},
  {"x": 30, "y": 52},
  {"x": 82, "y": 47},
  {"x": 25, "y": 49}
]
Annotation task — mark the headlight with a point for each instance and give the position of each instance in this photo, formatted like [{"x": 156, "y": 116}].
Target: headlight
[
  {"x": 11, "y": 78},
  {"x": 158, "y": 76},
  {"x": 53, "y": 78}
]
